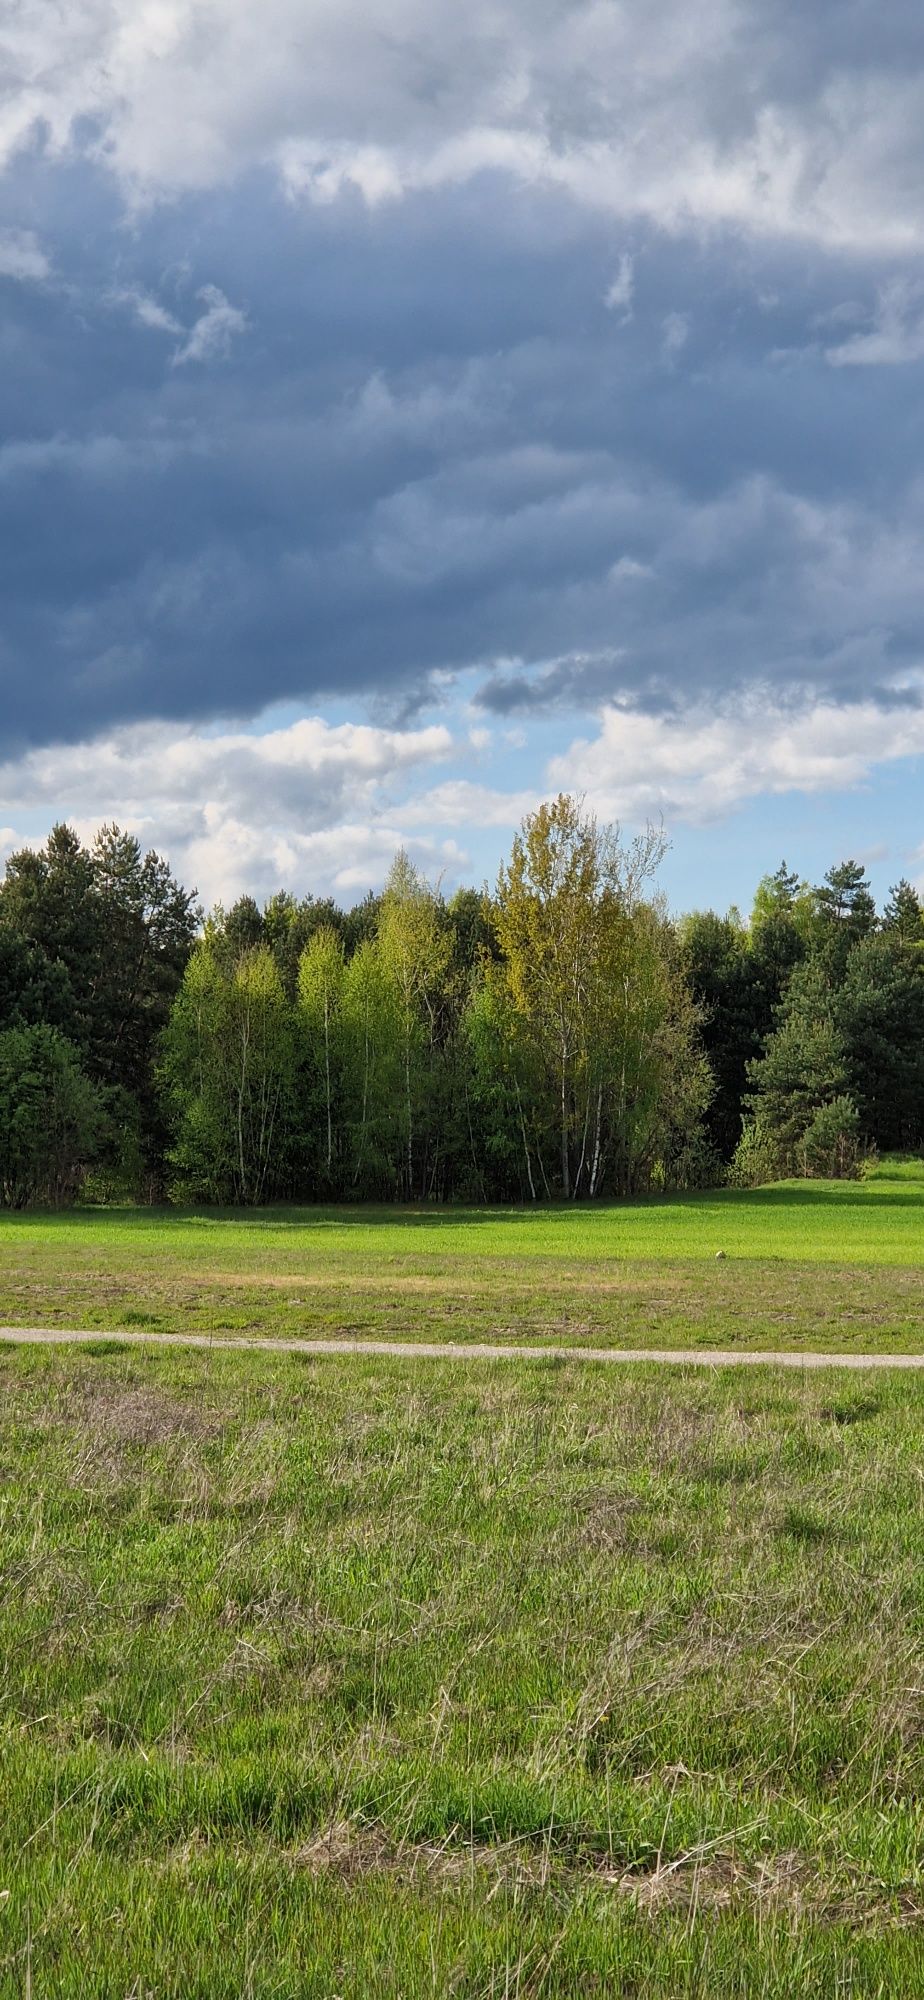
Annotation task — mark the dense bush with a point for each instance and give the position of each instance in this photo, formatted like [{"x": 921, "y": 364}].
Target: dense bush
[{"x": 832, "y": 1145}]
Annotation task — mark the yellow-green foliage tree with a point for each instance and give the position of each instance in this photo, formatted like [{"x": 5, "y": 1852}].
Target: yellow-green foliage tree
[
  {"x": 415, "y": 948},
  {"x": 371, "y": 1073},
  {"x": 321, "y": 983},
  {"x": 228, "y": 1071},
  {"x": 598, "y": 1001}
]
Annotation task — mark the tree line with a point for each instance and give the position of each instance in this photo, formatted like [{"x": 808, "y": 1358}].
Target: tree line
[{"x": 561, "y": 1037}]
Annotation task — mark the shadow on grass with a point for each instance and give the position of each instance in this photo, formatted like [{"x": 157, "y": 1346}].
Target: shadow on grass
[{"x": 897, "y": 1183}]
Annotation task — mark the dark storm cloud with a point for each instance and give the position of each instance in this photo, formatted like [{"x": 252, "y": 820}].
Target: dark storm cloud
[
  {"x": 255, "y": 450},
  {"x": 569, "y": 683}
]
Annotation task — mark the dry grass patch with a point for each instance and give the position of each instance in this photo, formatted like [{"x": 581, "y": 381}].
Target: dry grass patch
[{"x": 139, "y": 1415}]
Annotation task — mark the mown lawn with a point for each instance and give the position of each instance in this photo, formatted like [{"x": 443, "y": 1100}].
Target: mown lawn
[
  {"x": 402, "y": 1679},
  {"x": 837, "y": 1265}
]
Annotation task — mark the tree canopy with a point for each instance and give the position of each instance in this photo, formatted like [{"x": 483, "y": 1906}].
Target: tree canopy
[{"x": 561, "y": 1036}]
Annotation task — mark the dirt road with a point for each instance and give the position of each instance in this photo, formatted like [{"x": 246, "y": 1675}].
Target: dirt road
[{"x": 476, "y": 1350}]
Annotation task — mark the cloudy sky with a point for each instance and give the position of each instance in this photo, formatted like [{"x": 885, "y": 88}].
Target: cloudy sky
[{"x": 410, "y": 410}]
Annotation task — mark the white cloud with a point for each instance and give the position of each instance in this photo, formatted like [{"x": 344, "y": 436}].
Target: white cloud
[
  {"x": 628, "y": 107},
  {"x": 675, "y": 332},
  {"x": 895, "y": 337},
  {"x": 147, "y": 311},
  {"x": 308, "y": 804},
  {"x": 697, "y": 764},
  {"x": 627, "y": 570},
  {"x": 622, "y": 290},
  {"x": 212, "y": 334},
  {"x": 459, "y": 802},
  {"x": 231, "y": 854},
  {"x": 313, "y": 805},
  {"x": 22, "y": 257}
]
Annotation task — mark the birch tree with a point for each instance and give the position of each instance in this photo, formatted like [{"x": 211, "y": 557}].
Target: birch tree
[
  {"x": 588, "y": 968},
  {"x": 371, "y": 1069},
  {"x": 415, "y": 948},
  {"x": 321, "y": 978},
  {"x": 509, "y": 1127},
  {"x": 228, "y": 1070}
]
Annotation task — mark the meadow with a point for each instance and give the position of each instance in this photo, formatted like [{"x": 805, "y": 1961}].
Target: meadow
[
  {"x": 392, "y": 1678},
  {"x": 335, "y": 1677},
  {"x": 836, "y": 1265}
]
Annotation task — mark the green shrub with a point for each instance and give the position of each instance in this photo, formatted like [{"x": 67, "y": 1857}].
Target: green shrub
[
  {"x": 759, "y": 1157},
  {"x": 832, "y": 1147}
]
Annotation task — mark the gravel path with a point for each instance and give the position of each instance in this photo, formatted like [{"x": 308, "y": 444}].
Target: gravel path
[{"x": 475, "y": 1350}]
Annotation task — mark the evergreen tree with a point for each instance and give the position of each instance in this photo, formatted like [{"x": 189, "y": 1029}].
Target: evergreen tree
[
  {"x": 803, "y": 1069},
  {"x": 107, "y": 930},
  {"x": 289, "y": 927},
  {"x": 904, "y": 914},
  {"x": 51, "y": 1118},
  {"x": 846, "y": 913},
  {"x": 736, "y": 1000},
  {"x": 361, "y": 923},
  {"x": 879, "y": 1011},
  {"x": 34, "y": 989},
  {"x": 239, "y": 929},
  {"x": 49, "y": 899},
  {"x": 786, "y": 904}
]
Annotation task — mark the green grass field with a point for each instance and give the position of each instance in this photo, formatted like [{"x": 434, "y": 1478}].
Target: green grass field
[
  {"x": 350, "y": 1677},
  {"x": 409, "y": 1679},
  {"x": 836, "y": 1265}
]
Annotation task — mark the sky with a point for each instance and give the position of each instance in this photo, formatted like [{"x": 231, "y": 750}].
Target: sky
[{"x": 408, "y": 412}]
